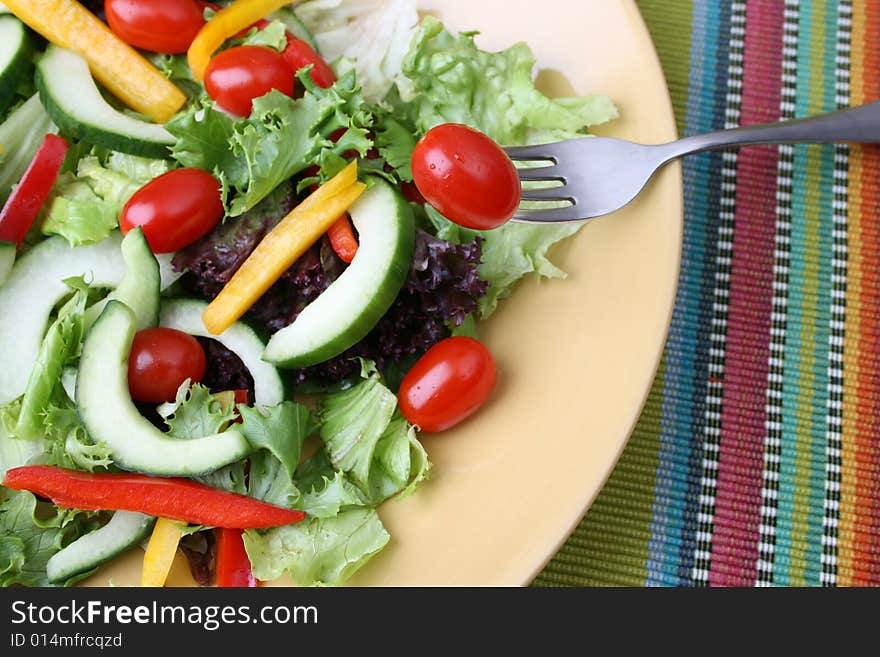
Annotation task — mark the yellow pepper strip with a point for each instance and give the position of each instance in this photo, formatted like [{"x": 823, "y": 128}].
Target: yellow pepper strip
[
  {"x": 227, "y": 22},
  {"x": 281, "y": 247},
  {"x": 114, "y": 63},
  {"x": 160, "y": 552}
]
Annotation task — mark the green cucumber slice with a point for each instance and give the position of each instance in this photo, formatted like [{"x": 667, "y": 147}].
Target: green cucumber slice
[
  {"x": 124, "y": 530},
  {"x": 7, "y": 259},
  {"x": 72, "y": 99},
  {"x": 36, "y": 285},
  {"x": 186, "y": 315},
  {"x": 21, "y": 135},
  {"x": 15, "y": 58},
  {"x": 104, "y": 405},
  {"x": 140, "y": 285},
  {"x": 354, "y": 302}
]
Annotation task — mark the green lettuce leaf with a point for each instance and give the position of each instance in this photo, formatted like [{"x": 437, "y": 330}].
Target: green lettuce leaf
[
  {"x": 196, "y": 412},
  {"x": 61, "y": 346},
  {"x": 15, "y": 452},
  {"x": 280, "y": 430},
  {"x": 325, "y": 491},
  {"x": 456, "y": 82},
  {"x": 274, "y": 36},
  {"x": 317, "y": 551},
  {"x": 30, "y": 534},
  {"x": 370, "y": 442},
  {"x": 84, "y": 207},
  {"x": 281, "y": 138}
]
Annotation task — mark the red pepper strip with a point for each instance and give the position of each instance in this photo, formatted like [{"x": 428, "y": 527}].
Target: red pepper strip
[
  {"x": 25, "y": 202},
  {"x": 233, "y": 564},
  {"x": 174, "y": 498},
  {"x": 342, "y": 239}
]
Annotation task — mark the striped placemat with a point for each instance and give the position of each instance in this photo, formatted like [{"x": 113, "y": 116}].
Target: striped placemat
[{"x": 757, "y": 459}]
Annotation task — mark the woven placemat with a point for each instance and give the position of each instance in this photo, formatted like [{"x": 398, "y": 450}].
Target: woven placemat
[{"x": 757, "y": 458}]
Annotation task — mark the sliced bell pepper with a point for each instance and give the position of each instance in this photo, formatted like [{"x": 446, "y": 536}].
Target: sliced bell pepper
[
  {"x": 233, "y": 564},
  {"x": 282, "y": 247},
  {"x": 174, "y": 498},
  {"x": 342, "y": 239},
  {"x": 28, "y": 197},
  {"x": 161, "y": 551},
  {"x": 226, "y": 23},
  {"x": 115, "y": 64}
]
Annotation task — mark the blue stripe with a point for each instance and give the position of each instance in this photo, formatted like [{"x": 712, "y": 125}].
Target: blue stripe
[{"x": 677, "y": 491}]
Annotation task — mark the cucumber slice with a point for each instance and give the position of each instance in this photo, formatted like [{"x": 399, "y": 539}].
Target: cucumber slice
[
  {"x": 140, "y": 285},
  {"x": 7, "y": 259},
  {"x": 295, "y": 26},
  {"x": 72, "y": 99},
  {"x": 15, "y": 58},
  {"x": 105, "y": 407},
  {"x": 186, "y": 315},
  {"x": 354, "y": 302},
  {"x": 21, "y": 135},
  {"x": 124, "y": 530},
  {"x": 36, "y": 285}
]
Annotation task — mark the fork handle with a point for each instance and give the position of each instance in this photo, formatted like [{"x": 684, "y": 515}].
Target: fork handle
[{"x": 858, "y": 125}]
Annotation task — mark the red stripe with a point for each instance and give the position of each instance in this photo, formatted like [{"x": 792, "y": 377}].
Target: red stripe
[{"x": 741, "y": 459}]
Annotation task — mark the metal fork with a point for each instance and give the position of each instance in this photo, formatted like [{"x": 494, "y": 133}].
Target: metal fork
[{"x": 599, "y": 175}]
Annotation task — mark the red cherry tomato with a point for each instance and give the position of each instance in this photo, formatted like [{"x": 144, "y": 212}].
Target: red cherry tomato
[
  {"x": 175, "y": 209},
  {"x": 161, "y": 359},
  {"x": 299, "y": 54},
  {"x": 167, "y": 26},
  {"x": 466, "y": 176},
  {"x": 448, "y": 384},
  {"x": 236, "y": 76}
]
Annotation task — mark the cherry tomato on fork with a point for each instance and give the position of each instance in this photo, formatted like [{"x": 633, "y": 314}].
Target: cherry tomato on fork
[
  {"x": 175, "y": 209},
  {"x": 466, "y": 176},
  {"x": 448, "y": 384},
  {"x": 161, "y": 359},
  {"x": 236, "y": 76},
  {"x": 166, "y": 26}
]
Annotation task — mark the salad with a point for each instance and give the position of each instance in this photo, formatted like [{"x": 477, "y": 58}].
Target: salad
[{"x": 245, "y": 250}]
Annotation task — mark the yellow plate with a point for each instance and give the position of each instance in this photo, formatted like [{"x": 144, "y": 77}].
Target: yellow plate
[{"x": 576, "y": 357}]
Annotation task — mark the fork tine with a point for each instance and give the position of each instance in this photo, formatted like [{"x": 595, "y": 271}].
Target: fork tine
[
  {"x": 551, "y": 216},
  {"x": 547, "y": 194},
  {"x": 543, "y": 174},
  {"x": 534, "y": 153}
]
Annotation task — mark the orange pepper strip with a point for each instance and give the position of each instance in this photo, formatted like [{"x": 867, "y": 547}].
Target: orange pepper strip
[
  {"x": 114, "y": 63},
  {"x": 282, "y": 247},
  {"x": 226, "y": 23}
]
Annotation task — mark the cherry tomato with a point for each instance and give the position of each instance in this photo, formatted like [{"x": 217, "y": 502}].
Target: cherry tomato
[
  {"x": 161, "y": 359},
  {"x": 300, "y": 54},
  {"x": 175, "y": 209},
  {"x": 236, "y": 76},
  {"x": 466, "y": 176},
  {"x": 448, "y": 384},
  {"x": 166, "y": 26}
]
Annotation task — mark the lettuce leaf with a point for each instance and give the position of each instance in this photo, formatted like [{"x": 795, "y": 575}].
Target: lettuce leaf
[
  {"x": 366, "y": 438},
  {"x": 196, "y": 412},
  {"x": 30, "y": 534},
  {"x": 373, "y": 36},
  {"x": 281, "y": 138},
  {"x": 317, "y": 551},
  {"x": 280, "y": 430},
  {"x": 84, "y": 207}
]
